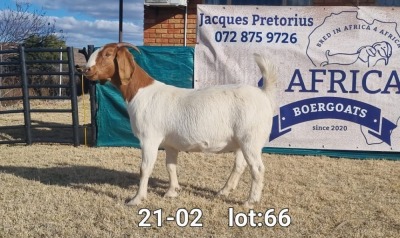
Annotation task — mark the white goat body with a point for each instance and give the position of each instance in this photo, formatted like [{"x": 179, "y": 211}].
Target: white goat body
[
  {"x": 213, "y": 119},
  {"x": 225, "y": 118}
]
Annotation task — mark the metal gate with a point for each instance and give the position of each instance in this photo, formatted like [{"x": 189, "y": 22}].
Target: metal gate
[{"x": 22, "y": 76}]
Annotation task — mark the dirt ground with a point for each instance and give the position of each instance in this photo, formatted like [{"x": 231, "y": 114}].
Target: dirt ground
[{"x": 57, "y": 190}]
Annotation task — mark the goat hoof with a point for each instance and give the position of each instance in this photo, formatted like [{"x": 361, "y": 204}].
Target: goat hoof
[
  {"x": 172, "y": 192},
  {"x": 249, "y": 205},
  {"x": 134, "y": 202},
  {"x": 223, "y": 193}
]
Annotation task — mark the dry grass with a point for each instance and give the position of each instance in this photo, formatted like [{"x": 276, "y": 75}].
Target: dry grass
[{"x": 52, "y": 190}]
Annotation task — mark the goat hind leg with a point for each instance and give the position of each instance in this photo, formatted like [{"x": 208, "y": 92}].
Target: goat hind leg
[
  {"x": 171, "y": 162},
  {"x": 253, "y": 158},
  {"x": 234, "y": 177},
  {"x": 149, "y": 156}
]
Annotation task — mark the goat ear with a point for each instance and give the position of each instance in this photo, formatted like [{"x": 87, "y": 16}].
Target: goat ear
[{"x": 126, "y": 65}]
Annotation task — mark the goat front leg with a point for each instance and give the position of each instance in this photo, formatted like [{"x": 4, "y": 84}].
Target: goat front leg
[
  {"x": 149, "y": 156},
  {"x": 237, "y": 171},
  {"x": 171, "y": 163}
]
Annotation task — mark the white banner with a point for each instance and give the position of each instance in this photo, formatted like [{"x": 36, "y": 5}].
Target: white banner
[{"x": 338, "y": 67}]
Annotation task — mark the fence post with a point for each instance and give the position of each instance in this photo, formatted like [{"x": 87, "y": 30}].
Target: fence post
[
  {"x": 61, "y": 65},
  {"x": 74, "y": 103},
  {"x": 25, "y": 96},
  {"x": 1, "y": 71},
  {"x": 93, "y": 103}
]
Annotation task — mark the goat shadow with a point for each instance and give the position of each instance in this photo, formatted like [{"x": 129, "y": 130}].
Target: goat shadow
[{"x": 78, "y": 177}]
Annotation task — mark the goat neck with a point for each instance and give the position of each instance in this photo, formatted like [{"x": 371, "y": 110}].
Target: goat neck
[{"x": 138, "y": 79}]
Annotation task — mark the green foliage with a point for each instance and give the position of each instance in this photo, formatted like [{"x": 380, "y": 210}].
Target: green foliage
[{"x": 48, "y": 41}]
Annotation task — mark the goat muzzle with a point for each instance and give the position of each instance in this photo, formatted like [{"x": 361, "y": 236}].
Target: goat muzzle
[
  {"x": 87, "y": 72},
  {"x": 83, "y": 70},
  {"x": 79, "y": 68}
]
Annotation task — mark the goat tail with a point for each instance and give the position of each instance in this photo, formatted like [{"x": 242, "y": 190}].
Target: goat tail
[{"x": 268, "y": 71}]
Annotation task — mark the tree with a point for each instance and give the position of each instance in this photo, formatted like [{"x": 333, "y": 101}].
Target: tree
[
  {"x": 49, "y": 41},
  {"x": 29, "y": 26},
  {"x": 16, "y": 26}
]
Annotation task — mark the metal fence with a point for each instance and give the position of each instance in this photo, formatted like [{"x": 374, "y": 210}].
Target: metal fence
[{"x": 22, "y": 74}]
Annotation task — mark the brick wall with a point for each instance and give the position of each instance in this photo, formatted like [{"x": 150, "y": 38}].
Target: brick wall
[{"x": 165, "y": 25}]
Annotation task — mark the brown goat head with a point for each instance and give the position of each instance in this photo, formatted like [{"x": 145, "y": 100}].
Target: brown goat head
[{"x": 114, "y": 62}]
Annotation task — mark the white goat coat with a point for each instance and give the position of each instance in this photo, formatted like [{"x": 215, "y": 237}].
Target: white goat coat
[{"x": 216, "y": 119}]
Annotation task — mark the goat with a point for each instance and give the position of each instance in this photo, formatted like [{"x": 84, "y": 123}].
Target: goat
[{"x": 226, "y": 118}]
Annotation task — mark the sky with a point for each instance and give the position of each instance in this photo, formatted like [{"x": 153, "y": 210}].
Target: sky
[{"x": 90, "y": 22}]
